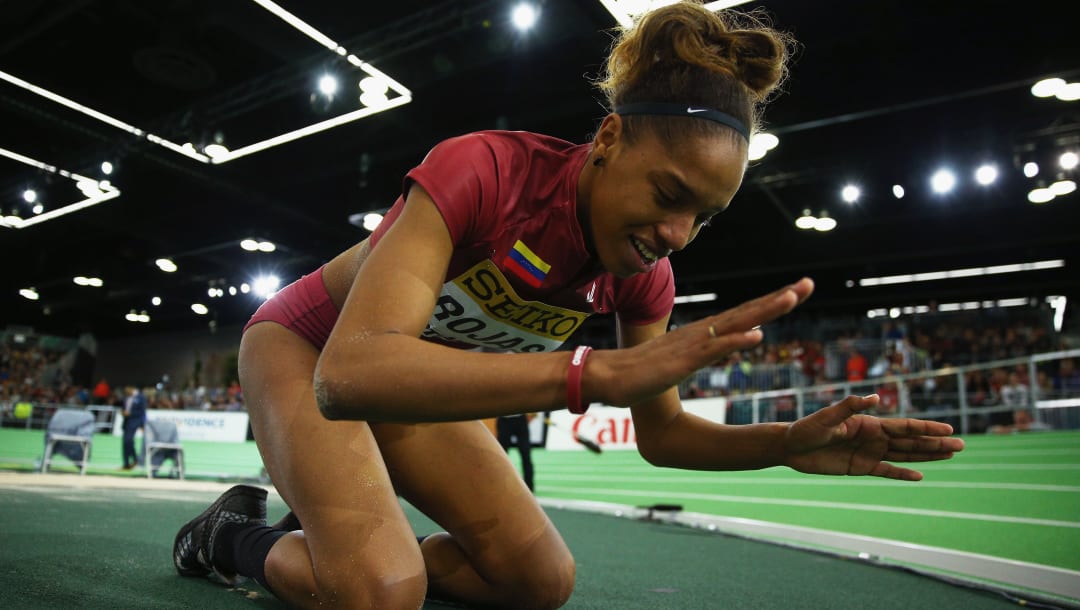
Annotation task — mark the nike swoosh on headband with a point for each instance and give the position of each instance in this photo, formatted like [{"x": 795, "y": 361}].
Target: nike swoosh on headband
[{"x": 667, "y": 109}]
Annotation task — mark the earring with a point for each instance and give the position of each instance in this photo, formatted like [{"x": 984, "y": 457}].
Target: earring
[{"x": 598, "y": 161}]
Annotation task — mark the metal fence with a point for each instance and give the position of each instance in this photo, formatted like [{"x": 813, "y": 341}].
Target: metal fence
[{"x": 942, "y": 395}]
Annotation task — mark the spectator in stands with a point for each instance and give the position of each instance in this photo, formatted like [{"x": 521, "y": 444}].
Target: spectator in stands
[
  {"x": 738, "y": 373},
  {"x": 857, "y": 367},
  {"x": 102, "y": 394},
  {"x": 354, "y": 398},
  {"x": 134, "y": 420}
]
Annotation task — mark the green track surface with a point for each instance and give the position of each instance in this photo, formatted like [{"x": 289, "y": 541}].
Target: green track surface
[{"x": 1014, "y": 496}]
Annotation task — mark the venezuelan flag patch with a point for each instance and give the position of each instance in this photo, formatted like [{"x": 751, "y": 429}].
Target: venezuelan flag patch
[{"x": 525, "y": 264}]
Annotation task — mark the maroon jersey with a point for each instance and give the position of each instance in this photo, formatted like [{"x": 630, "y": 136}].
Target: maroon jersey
[{"x": 521, "y": 278}]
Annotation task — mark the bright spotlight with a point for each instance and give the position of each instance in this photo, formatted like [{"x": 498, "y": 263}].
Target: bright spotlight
[
  {"x": 986, "y": 174},
  {"x": 266, "y": 246},
  {"x": 106, "y": 168},
  {"x": 200, "y": 309},
  {"x": 1031, "y": 169},
  {"x": 898, "y": 191},
  {"x": 265, "y": 286},
  {"x": 1047, "y": 87},
  {"x": 166, "y": 265},
  {"x": 806, "y": 221},
  {"x": 943, "y": 181},
  {"x": 156, "y": 301},
  {"x": 250, "y": 245},
  {"x": 761, "y": 143},
  {"x": 1040, "y": 195},
  {"x": 328, "y": 85},
  {"x": 38, "y": 208},
  {"x": 29, "y": 293},
  {"x": 372, "y": 220},
  {"x": 524, "y": 16},
  {"x": 1068, "y": 160},
  {"x": 824, "y": 222},
  {"x": 850, "y": 193},
  {"x": 29, "y": 195},
  {"x": 1062, "y": 187}
]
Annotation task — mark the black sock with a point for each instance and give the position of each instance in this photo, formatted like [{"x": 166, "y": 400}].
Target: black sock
[{"x": 242, "y": 549}]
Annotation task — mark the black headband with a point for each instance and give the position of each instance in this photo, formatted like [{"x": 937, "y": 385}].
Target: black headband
[{"x": 667, "y": 109}]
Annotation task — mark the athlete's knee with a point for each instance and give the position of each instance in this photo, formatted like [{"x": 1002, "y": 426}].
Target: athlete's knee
[
  {"x": 373, "y": 586},
  {"x": 550, "y": 586},
  {"x": 540, "y": 581}
]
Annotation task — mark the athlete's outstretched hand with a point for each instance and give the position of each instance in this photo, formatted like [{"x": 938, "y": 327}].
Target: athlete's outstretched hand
[
  {"x": 643, "y": 371},
  {"x": 840, "y": 440}
]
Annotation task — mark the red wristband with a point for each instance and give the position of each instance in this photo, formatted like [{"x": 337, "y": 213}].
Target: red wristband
[{"x": 573, "y": 380}]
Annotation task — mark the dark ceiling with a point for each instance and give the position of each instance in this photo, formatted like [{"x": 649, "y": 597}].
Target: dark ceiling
[{"x": 880, "y": 93}]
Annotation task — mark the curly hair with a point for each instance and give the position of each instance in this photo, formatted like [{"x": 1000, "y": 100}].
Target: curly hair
[{"x": 685, "y": 54}]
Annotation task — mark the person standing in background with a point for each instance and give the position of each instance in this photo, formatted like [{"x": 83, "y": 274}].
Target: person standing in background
[
  {"x": 513, "y": 431},
  {"x": 134, "y": 418}
]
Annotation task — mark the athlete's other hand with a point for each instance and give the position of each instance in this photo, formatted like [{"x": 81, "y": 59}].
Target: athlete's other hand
[{"x": 841, "y": 440}]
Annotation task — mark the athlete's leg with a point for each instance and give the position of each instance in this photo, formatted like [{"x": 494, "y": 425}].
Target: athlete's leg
[
  {"x": 502, "y": 550},
  {"x": 356, "y": 550}
]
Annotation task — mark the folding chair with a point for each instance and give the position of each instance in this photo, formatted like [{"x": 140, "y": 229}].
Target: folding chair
[
  {"x": 70, "y": 432},
  {"x": 161, "y": 441}
]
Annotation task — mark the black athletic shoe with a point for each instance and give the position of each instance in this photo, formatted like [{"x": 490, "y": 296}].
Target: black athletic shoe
[{"x": 193, "y": 549}]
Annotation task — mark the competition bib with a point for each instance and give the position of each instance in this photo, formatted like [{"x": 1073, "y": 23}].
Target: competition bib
[{"x": 480, "y": 308}]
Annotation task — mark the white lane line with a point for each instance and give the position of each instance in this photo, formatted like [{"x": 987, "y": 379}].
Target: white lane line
[
  {"x": 816, "y": 504},
  {"x": 821, "y": 481},
  {"x": 626, "y": 468},
  {"x": 999, "y": 452}
]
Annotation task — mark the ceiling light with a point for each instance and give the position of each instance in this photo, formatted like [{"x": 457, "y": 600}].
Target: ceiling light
[
  {"x": 200, "y": 309},
  {"x": 898, "y": 191},
  {"x": 156, "y": 301},
  {"x": 265, "y": 286},
  {"x": 824, "y": 223},
  {"x": 372, "y": 220},
  {"x": 1040, "y": 195},
  {"x": 328, "y": 85},
  {"x": 1068, "y": 160},
  {"x": 166, "y": 265},
  {"x": 986, "y": 174},
  {"x": 696, "y": 298},
  {"x": 29, "y": 293},
  {"x": 961, "y": 273},
  {"x": 29, "y": 195},
  {"x": 105, "y": 193},
  {"x": 266, "y": 246},
  {"x": 806, "y": 221},
  {"x": 624, "y": 11},
  {"x": 94, "y": 282},
  {"x": 1069, "y": 93},
  {"x": 850, "y": 193},
  {"x": 106, "y": 168},
  {"x": 1031, "y": 169},
  {"x": 404, "y": 97},
  {"x": 1047, "y": 87},
  {"x": 524, "y": 16},
  {"x": 38, "y": 208},
  {"x": 760, "y": 144},
  {"x": 216, "y": 151},
  {"x": 1062, "y": 187},
  {"x": 942, "y": 181},
  {"x": 250, "y": 245}
]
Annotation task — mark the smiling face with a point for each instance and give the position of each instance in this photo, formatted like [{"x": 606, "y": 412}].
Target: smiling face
[{"x": 647, "y": 200}]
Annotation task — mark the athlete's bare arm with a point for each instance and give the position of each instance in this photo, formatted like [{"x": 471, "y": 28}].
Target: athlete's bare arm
[{"x": 375, "y": 368}]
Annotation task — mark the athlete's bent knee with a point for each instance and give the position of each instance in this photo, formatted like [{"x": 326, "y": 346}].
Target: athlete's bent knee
[
  {"x": 374, "y": 591},
  {"x": 545, "y": 585}
]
